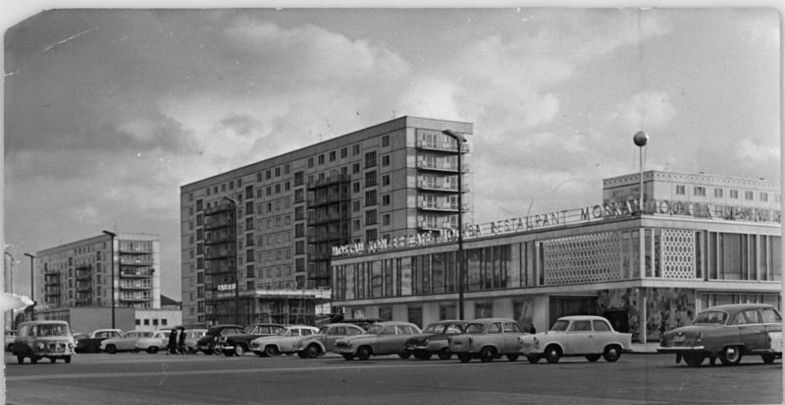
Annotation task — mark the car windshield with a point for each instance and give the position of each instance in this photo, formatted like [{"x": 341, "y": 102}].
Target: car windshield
[
  {"x": 475, "y": 328},
  {"x": 434, "y": 328},
  {"x": 717, "y": 317},
  {"x": 52, "y": 330},
  {"x": 375, "y": 329},
  {"x": 560, "y": 326}
]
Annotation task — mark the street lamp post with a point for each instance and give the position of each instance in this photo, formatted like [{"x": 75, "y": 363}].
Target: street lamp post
[
  {"x": 32, "y": 285},
  {"x": 8, "y": 275},
  {"x": 459, "y": 140},
  {"x": 640, "y": 138},
  {"x": 236, "y": 276},
  {"x": 112, "y": 236}
]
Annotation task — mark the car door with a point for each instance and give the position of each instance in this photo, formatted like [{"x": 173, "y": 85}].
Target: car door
[
  {"x": 495, "y": 335},
  {"x": 578, "y": 337},
  {"x": 332, "y": 335},
  {"x": 752, "y": 333},
  {"x": 511, "y": 342},
  {"x": 603, "y": 334}
]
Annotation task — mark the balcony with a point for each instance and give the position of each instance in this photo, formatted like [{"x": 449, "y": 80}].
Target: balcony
[
  {"x": 137, "y": 272},
  {"x": 135, "y": 285},
  {"x": 436, "y": 185},
  {"x": 220, "y": 206},
  {"x": 83, "y": 275},
  {"x": 441, "y": 146},
  {"x": 136, "y": 261},
  {"x": 134, "y": 298},
  {"x": 329, "y": 180},
  {"x": 444, "y": 206},
  {"x": 435, "y": 224}
]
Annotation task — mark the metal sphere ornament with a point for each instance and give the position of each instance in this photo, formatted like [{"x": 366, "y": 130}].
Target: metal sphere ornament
[{"x": 640, "y": 139}]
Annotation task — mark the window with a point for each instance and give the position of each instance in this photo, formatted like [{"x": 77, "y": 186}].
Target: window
[
  {"x": 277, "y": 172},
  {"x": 370, "y": 178},
  {"x": 699, "y": 191},
  {"x": 332, "y": 156},
  {"x": 734, "y": 194},
  {"x": 370, "y": 159},
  {"x": 321, "y": 159},
  {"x": 356, "y": 149},
  {"x": 370, "y": 198},
  {"x": 344, "y": 153},
  {"x": 268, "y": 175},
  {"x": 355, "y": 168},
  {"x": 371, "y": 235},
  {"x": 718, "y": 192},
  {"x": 764, "y": 197},
  {"x": 355, "y": 205},
  {"x": 386, "y": 160},
  {"x": 310, "y": 162},
  {"x": 680, "y": 189},
  {"x": 483, "y": 309},
  {"x": 748, "y": 195},
  {"x": 370, "y": 217},
  {"x": 298, "y": 179},
  {"x": 386, "y": 140},
  {"x": 356, "y": 187},
  {"x": 580, "y": 326},
  {"x": 386, "y": 180},
  {"x": 386, "y": 219},
  {"x": 600, "y": 326},
  {"x": 495, "y": 327},
  {"x": 385, "y": 199}
]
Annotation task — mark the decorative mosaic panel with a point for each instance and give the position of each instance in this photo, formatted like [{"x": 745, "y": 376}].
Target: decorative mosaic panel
[
  {"x": 678, "y": 254},
  {"x": 582, "y": 259}
]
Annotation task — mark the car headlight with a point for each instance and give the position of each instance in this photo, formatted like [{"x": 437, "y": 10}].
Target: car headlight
[
  {"x": 699, "y": 339},
  {"x": 40, "y": 346},
  {"x": 426, "y": 341}
]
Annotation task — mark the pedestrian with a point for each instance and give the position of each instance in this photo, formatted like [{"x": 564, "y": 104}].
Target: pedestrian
[
  {"x": 172, "y": 341},
  {"x": 181, "y": 341}
]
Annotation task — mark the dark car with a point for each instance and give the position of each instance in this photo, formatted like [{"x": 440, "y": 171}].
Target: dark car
[
  {"x": 43, "y": 339},
  {"x": 91, "y": 343},
  {"x": 433, "y": 340},
  {"x": 240, "y": 343},
  {"x": 206, "y": 344},
  {"x": 727, "y": 332},
  {"x": 324, "y": 341}
]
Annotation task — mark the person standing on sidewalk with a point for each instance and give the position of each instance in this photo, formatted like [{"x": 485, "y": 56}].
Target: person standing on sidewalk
[{"x": 172, "y": 341}]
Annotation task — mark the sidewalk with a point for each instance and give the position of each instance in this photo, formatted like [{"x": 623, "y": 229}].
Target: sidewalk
[{"x": 645, "y": 348}]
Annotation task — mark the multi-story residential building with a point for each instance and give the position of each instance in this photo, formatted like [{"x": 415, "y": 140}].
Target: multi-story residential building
[
  {"x": 257, "y": 240},
  {"x": 700, "y": 240},
  {"x": 81, "y": 273}
]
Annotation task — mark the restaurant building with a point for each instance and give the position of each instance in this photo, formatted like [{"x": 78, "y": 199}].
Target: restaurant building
[{"x": 699, "y": 240}]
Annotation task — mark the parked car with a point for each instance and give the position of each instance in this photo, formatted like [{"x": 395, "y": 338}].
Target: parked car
[
  {"x": 240, "y": 343},
  {"x": 125, "y": 342},
  {"x": 10, "y": 335},
  {"x": 91, "y": 343},
  {"x": 283, "y": 342},
  {"x": 208, "y": 342},
  {"x": 433, "y": 340},
  {"x": 727, "y": 332},
  {"x": 364, "y": 323},
  {"x": 580, "y": 335},
  {"x": 382, "y": 338},
  {"x": 192, "y": 337},
  {"x": 152, "y": 344},
  {"x": 43, "y": 339},
  {"x": 324, "y": 341},
  {"x": 487, "y": 339}
]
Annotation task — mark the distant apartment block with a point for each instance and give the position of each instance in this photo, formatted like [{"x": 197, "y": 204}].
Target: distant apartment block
[{"x": 257, "y": 240}]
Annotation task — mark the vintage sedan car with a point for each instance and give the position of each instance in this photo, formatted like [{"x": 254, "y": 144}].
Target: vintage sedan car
[
  {"x": 192, "y": 337},
  {"x": 208, "y": 342},
  {"x": 487, "y": 339},
  {"x": 580, "y": 335},
  {"x": 158, "y": 341},
  {"x": 240, "y": 343},
  {"x": 43, "y": 339},
  {"x": 283, "y": 342},
  {"x": 382, "y": 338},
  {"x": 727, "y": 332},
  {"x": 324, "y": 340},
  {"x": 125, "y": 342},
  {"x": 92, "y": 342},
  {"x": 433, "y": 340}
]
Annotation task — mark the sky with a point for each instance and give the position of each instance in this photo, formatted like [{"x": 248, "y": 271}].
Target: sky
[{"x": 109, "y": 112}]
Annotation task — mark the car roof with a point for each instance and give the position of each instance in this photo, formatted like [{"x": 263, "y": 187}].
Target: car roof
[
  {"x": 489, "y": 320},
  {"x": 344, "y": 324},
  {"x": 42, "y": 321},
  {"x": 394, "y": 323},
  {"x": 583, "y": 318}
]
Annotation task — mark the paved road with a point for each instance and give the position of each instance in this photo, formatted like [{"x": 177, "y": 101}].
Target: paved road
[{"x": 198, "y": 379}]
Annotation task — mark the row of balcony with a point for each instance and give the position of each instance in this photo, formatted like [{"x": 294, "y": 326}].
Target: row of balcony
[
  {"x": 329, "y": 180},
  {"x": 441, "y": 166},
  {"x": 145, "y": 260},
  {"x": 435, "y": 224},
  {"x": 445, "y": 145},
  {"x": 134, "y": 272}
]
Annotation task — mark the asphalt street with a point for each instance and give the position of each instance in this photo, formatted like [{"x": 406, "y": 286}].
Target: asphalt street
[{"x": 140, "y": 378}]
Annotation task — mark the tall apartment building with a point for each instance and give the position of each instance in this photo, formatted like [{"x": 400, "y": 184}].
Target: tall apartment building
[
  {"x": 257, "y": 240},
  {"x": 81, "y": 273}
]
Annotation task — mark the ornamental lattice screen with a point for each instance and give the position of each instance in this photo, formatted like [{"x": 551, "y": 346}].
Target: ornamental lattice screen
[
  {"x": 582, "y": 259},
  {"x": 678, "y": 254}
]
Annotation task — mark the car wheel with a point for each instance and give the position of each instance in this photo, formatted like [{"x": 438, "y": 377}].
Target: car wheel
[
  {"x": 152, "y": 349},
  {"x": 302, "y": 354},
  {"x": 612, "y": 353},
  {"x": 593, "y": 357},
  {"x": 364, "y": 353},
  {"x": 227, "y": 352},
  {"x": 20, "y": 359},
  {"x": 768, "y": 358},
  {"x": 271, "y": 351},
  {"x": 445, "y": 354},
  {"x": 313, "y": 351},
  {"x": 207, "y": 351},
  {"x": 552, "y": 354},
  {"x": 53, "y": 360},
  {"x": 464, "y": 357},
  {"x": 407, "y": 355},
  {"x": 533, "y": 358},
  {"x": 424, "y": 355},
  {"x": 34, "y": 360},
  {"x": 730, "y": 355},
  {"x": 348, "y": 357},
  {"x": 239, "y": 350},
  {"x": 67, "y": 359},
  {"x": 694, "y": 359},
  {"x": 512, "y": 357},
  {"x": 487, "y": 354},
  {"x": 111, "y": 349}
]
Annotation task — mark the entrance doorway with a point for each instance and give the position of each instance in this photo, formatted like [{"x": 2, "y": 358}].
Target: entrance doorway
[{"x": 564, "y": 306}]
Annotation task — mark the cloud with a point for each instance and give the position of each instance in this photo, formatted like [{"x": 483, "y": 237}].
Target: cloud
[
  {"x": 648, "y": 109},
  {"x": 751, "y": 149}
]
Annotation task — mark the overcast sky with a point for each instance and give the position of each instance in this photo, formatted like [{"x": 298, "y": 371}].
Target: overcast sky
[{"x": 109, "y": 112}]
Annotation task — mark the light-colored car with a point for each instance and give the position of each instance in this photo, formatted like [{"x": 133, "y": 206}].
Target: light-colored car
[
  {"x": 727, "y": 332},
  {"x": 487, "y": 339},
  {"x": 324, "y": 341},
  {"x": 581, "y": 335},
  {"x": 283, "y": 342},
  {"x": 192, "y": 337},
  {"x": 125, "y": 342},
  {"x": 382, "y": 338},
  {"x": 43, "y": 339},
  {"x": 158, "y": 341},
  {"x": 91, "y": 343}
]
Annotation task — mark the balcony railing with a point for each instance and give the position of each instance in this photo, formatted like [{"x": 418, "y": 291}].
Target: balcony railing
[
  {"x": 441, "y": 146},
  {"x": 137, "y": 272},
  {"x": 136, "y": 261}
]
